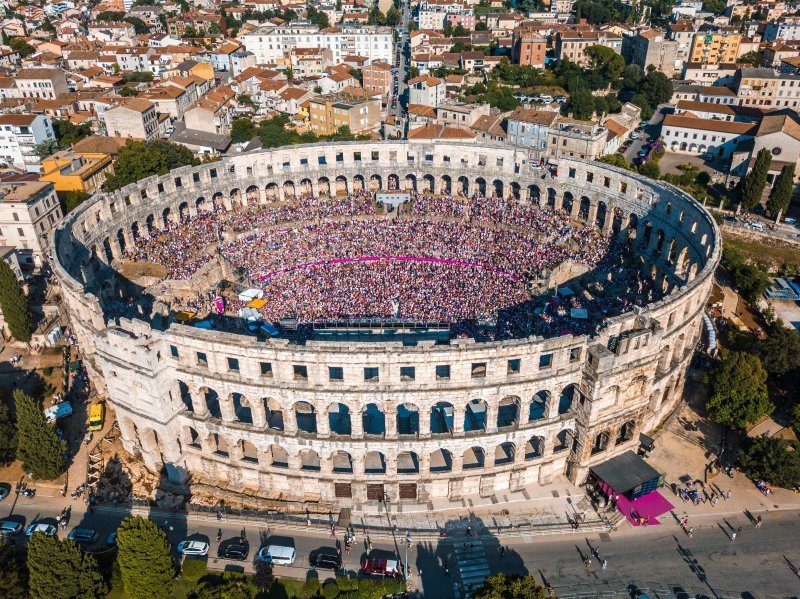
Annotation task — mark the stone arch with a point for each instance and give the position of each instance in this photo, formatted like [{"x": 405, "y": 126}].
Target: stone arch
[
  {"x": 565, "y": 440},
  {"x": 600, "y": 443},
  {"x": 633, "y": 225},
  {"x": 407, "y": 419},
  {"x": 271, "y": 191},
  {"x": 393, "y": 182},
  {"x": 441, "y": 461},
  {"x": 447, "y": 184},
  {"x": 568, "y": 395},
  {"x": 135, "y": 233},
  {"x": 407, "y": 462},
  {"x": 341, "y": 462},
  {"x": 235, "y": 196},
  {"x": 248, "y": 452},
  {"x": 121, "y": 240},
  {"x": 186, "y": 396},
  {"x": 583, "y": 209},
  {"x": 288, "y": 189},
  {"x": 540, "y": 405},
  {"x": 183, "y": 211},
  {"x": 341, "y": 185},
  {"x": 567, "y": 202},
  {"x": 212, "y": 404},
  {"x": 411, "y": 182},
  {"x": 241, "y": 408},
  {"x": 306, "y": 188},
  {"x": 504, "y": 453},
  {"x": 274, "y": 414},
  {"x": 324, "y": 186},
  {"x": 474, "y": 458},
  {"x": 672, "y": 252},
  {"x": 305, "y": 416},
  {"x": 463, "y": 185},
  {"x": 497, "y": 188},
  {"x": 602, "y": 214},
  {"x": 534, "y": 193},
  {"x": 253, "y": 194},
  {"x": 219, "y": 445},
  {"x": 534, "y": 448},
  {"x": 660, "y": 237},
  {"x": 647, "y": 233},
  {"x": 166, "y": 217},
  {"x": 374, "y": 463},
  {"x": 664, "y": 359},
  {"x": 218, "y": 201},
  {"x": 339, "y": 419},
  {"x": 475, "y": 416},
  {"x": 375, "y": 183},
  {"x": 508, "y": 411},
  {"x": 480, "y": 184},
  {"x": 278, "y": 457},
  {"x": 309, "y": 460},
  {"x": 441, "y": 418},
  {"x": 626, "y": 432},
  {"x": 516, "y": 190},
  {"x": 373, "y": 420},
  {"x": 200, "y": 204},
  {"x": 551, "y": 197},
  {"x": 616, "y": 221},
  {"x": 429, "y": 183}
]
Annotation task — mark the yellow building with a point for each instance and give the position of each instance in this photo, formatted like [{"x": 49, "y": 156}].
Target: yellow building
[
  {"x": 715, "y": 48},
  {"x": 354, "y": 108},
  {"x": 77, "y": 171}
]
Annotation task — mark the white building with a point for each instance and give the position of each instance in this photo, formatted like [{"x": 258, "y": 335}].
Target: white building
[
  {"x": 41, "y": 83},
  {"x": 271, "y": 42},
  {"x": 29, "y": 212},
  {"x": 785, "y": 29},
  {"x": 428, "y": 91},
  {"x": 19, "y": 136},
  {"x": 698, "y": 136}
]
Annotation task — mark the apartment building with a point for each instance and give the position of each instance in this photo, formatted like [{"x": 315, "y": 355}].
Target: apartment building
[
  {"x": 203, "y": 24},
  {"x": 69, "y": 170},
  {"x": 134, "y": 117},
  {"x": 377, "y": 78},
  {"x": 529, "y": 128},
  {"x": 426, "y": 90},
  {"x": 29, "y": 212},
  {"x": 715, "y": 48},
  {"x": 327, "y": 114},
  {"x": 651, "y": 47},
  {"x": 19, "y": 136},
  {"x": 763, "y": 87},
  {"x": 41, "y": 83},
  {"x": 571, "y": 45},
  {"x": 577, "y": 139},
  {"x": 698, "y": 136},
  {"x": 528, "y": 47},
  {"x": 682, "y": 32},
  {"x": 785, "y": 29},
  {"x": 461, "y": 115},
  {"x": 270, "y": 43}
]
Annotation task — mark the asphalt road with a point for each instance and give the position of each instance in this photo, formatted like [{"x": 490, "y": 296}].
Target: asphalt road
[
  {"x": 761, "y": 561},
  {"x": 403, "y": 64}
]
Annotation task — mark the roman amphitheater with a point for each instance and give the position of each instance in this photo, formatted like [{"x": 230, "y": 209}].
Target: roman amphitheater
[{"x": 572, "y": 337}]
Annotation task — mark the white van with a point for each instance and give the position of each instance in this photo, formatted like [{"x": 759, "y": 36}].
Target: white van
[
  {"x": 757, "y": 226},
  {"x": 277, "y": 554}
]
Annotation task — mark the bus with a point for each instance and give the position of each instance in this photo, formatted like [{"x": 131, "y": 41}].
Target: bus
[{"x": 97, "y": 414}]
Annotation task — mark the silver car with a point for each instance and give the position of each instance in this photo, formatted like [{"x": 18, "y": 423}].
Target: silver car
[
  {"x": 188, "y": 547},
  {"x": 83, "y": 535},
  {"x": 46, "y": 529},
  {"x": 9, "y": 528}
]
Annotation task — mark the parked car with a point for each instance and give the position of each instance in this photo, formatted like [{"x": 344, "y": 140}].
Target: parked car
[
  {"x": 325, "y": 559},
  {"x": 83, "y": 536},
  {"x": 546, "y": 98},
  {"x": 111, "y": 540},
  {"x": 635, "y": 135},
  {"x": 560, "y": 99},
  {"x": 9, "y": 528},
  {"x": 188, "y": 547},
  {"x": 237, "y": 551},
  {"x": 5, "y": 489},
  {"x": 381, "y": 566},
  {"x": 277, "y": 554},
  {"x": 47, "y": 529}
]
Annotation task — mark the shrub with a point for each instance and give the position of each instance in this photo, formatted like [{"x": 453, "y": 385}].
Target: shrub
[
  {"x": 330, "y": 590},
  {"x": 193, "y": 569},
  {"x": 311, "y": 586}
]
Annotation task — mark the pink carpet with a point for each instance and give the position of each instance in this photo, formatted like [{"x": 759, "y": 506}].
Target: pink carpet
[{"x": 650, "y": 506}]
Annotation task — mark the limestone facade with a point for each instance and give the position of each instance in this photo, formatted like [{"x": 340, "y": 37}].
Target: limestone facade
[{"x": 271, "y": 418}]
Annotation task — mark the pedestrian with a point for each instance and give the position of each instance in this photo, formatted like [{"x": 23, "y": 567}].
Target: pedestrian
[
  {"x": 446, "y": 570},
  {"x": 689, "y": 532},
  {"x": 308, "y": 522},
  {"x": 759, "y": 521},
  {"x": 604, "y": 564},
  {"x": 469, "y": 531},
  {"x": 733, "y": 537},
  {"x": 587, "y": 562},
  {"x": 728, "y": 494}
]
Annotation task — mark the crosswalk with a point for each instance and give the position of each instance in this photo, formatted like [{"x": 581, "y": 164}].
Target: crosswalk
[{"x": 473, "y": 568}]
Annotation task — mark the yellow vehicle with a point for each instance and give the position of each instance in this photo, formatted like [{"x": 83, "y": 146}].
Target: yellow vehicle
[{"x": 97, "y": 414}]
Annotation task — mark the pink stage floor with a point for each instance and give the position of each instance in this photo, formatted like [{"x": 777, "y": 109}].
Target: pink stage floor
[{"x": 651, "y": 506}]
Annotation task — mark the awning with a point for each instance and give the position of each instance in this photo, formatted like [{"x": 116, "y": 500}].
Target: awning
[
  {"x": 626, "y": 472},
  {"x": 257, "y": 304},
  {"x": 184, "y": 315}
]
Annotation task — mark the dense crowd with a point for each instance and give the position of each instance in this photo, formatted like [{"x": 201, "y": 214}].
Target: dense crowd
[{"x": 499, "y": 243}]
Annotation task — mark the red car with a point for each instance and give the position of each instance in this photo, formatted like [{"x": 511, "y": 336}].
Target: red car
[{"x": 381, "y": 566}]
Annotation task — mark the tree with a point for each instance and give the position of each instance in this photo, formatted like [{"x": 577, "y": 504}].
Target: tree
[
  {"x": 242, "y": 130},
  {"x": 650, "y": 169},
  {"x": 223, "y": 588},
  {"x": 580, "y": 104},
  {"x": 13, "y": 573},
  {"x": 213, "y": 29},
  {"x": 46, "y": 148},
  {"x": 139, "y": 26},
  {"x": 392, "y": 16},
  {"x": 771, "y": 459},
  {"x": 62, "y": 570},
  {"x": 605, "y": 62},
  {"x": 510, "y": 586},
  {"x": 128, "y": 92},
  {"x": 656, "y": 87},
  {"x": 68, "y": 133},
  {"x": 780, "y": 351},
  {"x": 756, "y": 180},
  {"x": 615, "y": 160},
  {"x": 8, "y": 435},
  {"x": 738, "y": 391},
  {"x": 73, "y": 199},
  {"x": 317, "y": 17},
  {"x": 140, "y": 159},
  {"x": 137, "y": 76},
  {"x": 14, "y": 304},
  {"x": 781, "y": 193},
  {"x": 263, "y": 578},
  {"x": 413, "y": 72},
  {"x": 145, "y": 559},
  {"x": 715, "y": 6},
  {"x": 481, "y": 26},
  {"x": 21, "y": 46},
  {"x": 41, "y": 451},
  {"x": 189, "y": 33}
]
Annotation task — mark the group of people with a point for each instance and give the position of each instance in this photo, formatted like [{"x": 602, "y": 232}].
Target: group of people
[{"x": 452, "y": 259}]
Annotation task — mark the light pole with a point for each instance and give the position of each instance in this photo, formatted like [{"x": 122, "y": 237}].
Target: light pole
[{"x": 408, "y": 545}]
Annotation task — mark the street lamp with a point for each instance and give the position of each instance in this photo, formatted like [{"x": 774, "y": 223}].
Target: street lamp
[{"x": 408, "y": 545}]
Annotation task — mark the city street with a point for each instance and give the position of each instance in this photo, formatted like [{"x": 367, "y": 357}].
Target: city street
[
  {"x": 402, "y": 57},
  {"x": 761, "y": 561}
]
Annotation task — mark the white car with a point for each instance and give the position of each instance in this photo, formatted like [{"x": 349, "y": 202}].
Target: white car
[
  {"x": 635, "y": 136},
  {"x": 193, "y": 548},
  {"x": 546, "y": 98},
  {"x": 47, "y": 529}
]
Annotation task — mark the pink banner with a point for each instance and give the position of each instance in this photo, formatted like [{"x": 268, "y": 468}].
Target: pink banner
[
  {"x": 219, "y": 304},
  {"x": 390, "y": 259}
]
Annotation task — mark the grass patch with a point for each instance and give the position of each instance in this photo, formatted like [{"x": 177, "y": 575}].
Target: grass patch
[{"x": 773, "y": 254}]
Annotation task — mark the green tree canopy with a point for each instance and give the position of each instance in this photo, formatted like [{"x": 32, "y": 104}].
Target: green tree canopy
[
  {"x": 780, "y": 351},
  {"x": 242, "y": 130},
  {"x": 14, "y": 304},
  {"x": 738, "y": 391},
  {"x": 615, "y": 160},
  {"x": 756, "y": 180},
  {"x": 20, "y": 45},
  {"x": 13, "y": 573},
  {"x": 232, "y": 587},
  {"x": 137, "y": 76},
  {"x": 772, "y": 459},
  {"x": 580, "y": 104},
  {"x": 750, "y": 280},
  {"x": 605, "y": 62},
  {"x": 510, "y": 586},
  {"x": 145, "y": 559},
  {"x": 73, "y": 199},
  {"x": 41, "y": 451},
  {"x": 68, "y": 133},
  {"x": 715, "y": 6},
  {"x": 8, "y": 435},
  {"x": 317, "y": 17},
  {"x": 140, "y": 159},
  {"x": 61, "y": 570},
  {"x": 392, "y": 17},
  {"x": 781, "y": 193}
]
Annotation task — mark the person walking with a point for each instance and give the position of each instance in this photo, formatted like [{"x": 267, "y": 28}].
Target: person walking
[
  {"x": 603, "y": 565},
  {"x": 587, "y": 562},
  {"x": 759, "y": 521},
  {"x": 733, "y": 537},
  {"x": 728, "y": 494}
]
